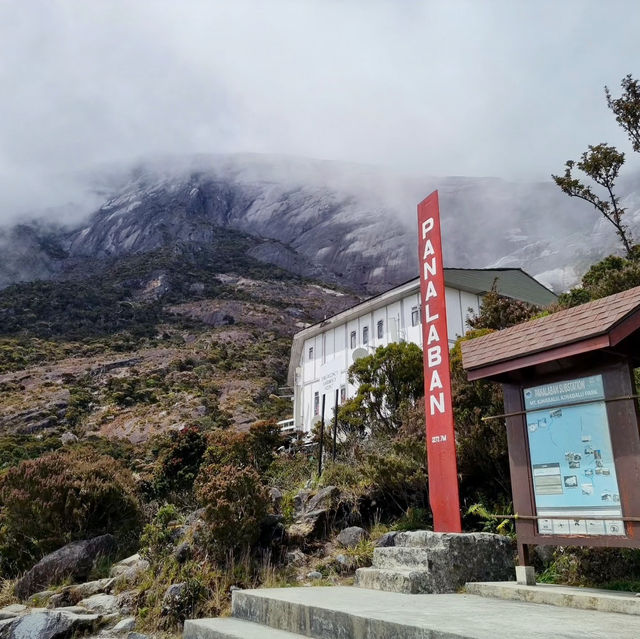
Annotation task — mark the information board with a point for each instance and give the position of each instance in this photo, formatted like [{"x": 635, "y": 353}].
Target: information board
[{"x": 572, "y": 464}]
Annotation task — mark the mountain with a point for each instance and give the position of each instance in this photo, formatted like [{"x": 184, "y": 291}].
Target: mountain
[
  {"x": 173, "y": 302},
  {"x": 342, "y": 224}
]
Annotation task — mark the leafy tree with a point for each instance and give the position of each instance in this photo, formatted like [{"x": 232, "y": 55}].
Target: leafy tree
[
  {"x": 483, "y": 461},
  {"x": 601, "y": 163},
  {"x": 611, "y": 275},
  {"x": 387, "y": 380},
  {"x": 498, "y": 312},
  {"x": 626, "y": 108}
]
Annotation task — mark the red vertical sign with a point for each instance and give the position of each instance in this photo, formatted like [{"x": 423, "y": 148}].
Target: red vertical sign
[{"x": 441, "y": 446}]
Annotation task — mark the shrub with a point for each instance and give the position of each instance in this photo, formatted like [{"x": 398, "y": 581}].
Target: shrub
[
  {"x": 235, "y": 503},
  {"x": 67, "y": 496},
  {"x": 253, "y": 449},
  {"x": 264, "y": 437},
  {"x": 181, "y": 457},
  {"x": 159, "y": 537}
]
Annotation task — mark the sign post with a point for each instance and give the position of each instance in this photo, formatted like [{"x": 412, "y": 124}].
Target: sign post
[{"x": 441, "y": 446}]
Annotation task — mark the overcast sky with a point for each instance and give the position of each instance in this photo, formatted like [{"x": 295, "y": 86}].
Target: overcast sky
[{"x": 509, "y": 89}]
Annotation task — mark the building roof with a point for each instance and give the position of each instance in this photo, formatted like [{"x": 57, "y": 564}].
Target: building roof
[
  {"x": 511, "y": 282},
  {"x": 599, "y": 324}
]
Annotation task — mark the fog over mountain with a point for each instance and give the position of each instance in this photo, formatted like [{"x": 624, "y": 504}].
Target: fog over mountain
[{"x": 348, "y": 224}]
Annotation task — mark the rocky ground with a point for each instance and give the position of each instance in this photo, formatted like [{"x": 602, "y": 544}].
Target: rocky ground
[
  {"x": 57, "y": 597},
  {"x": 244, "y": 344}
]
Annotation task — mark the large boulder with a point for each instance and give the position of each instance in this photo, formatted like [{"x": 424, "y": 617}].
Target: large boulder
[
  {"x": 48, "y": 625},
  {"x": 352, "y": 536},
  {"x": 73, "y": 561},
  {"x": 314, "y": 514}
]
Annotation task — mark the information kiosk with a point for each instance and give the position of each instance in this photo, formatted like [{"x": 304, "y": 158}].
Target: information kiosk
[{"x": 571, "y": 412}]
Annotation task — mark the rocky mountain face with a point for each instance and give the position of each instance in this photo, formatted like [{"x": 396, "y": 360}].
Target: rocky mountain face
[{"x": 341, "y": 224}]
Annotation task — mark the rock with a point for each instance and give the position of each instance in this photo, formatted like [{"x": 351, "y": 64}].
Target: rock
[
  {"x": 48, "y": 625},
  {"x": 40, "y": 598},
  {"x": 314, "y": 574},
  {"x": 301, "y": 533},
  {"x": 300, "y": 501},
  {"x": 352, "y": 536},
  {"x": 68, "y": 438},
  {"x": 323, "y": 500},
  {"x": 182, "y": 552},
  {"x": 74, "y": 561},
  {"x": 295, "y": 557},
  {"x": 130, "y": 569},
  {"x": 63, "y": 599},
  {"x": 100, "y": 604},
  {"x": 173, "y": 597},
  {"x": 272, "y": 530},
  {"x": 124, "y": 625},
  {"x": 90, "y": 588},
  {"x": 9, "y": 612},
  {"x": 388, "y": 539},
  {"x": 343, "y": 560},
  {"x": 137, "y": 635},
  {"x": 276, "y": 498}
]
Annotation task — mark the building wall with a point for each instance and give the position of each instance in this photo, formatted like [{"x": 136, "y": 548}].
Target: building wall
[{"x": 326, "y": 357}]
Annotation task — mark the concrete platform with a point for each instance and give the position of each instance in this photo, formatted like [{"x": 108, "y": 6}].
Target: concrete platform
[
  {"x": 357, "y": 613},
  {"x": 552, "y": 595},
  {"x": 230, "y": 628}
]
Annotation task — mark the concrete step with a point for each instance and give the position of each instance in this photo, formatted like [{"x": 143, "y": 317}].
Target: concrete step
[
  {"x": 356, "y": 613},
  {"x": 230, "y": 628},
  {"x": 405, "y": 580},
  {"x": 402, "y": 557},
  {"x": 583, "y": 598}
]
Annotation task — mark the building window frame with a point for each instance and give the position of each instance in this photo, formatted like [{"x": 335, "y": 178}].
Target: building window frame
[
  {"x": 354, "y": 339},
  {"x": 316, "y": 403},
  {"x": 380, "y": 328},
  {"x": 365, "y": 335},
  {"x": 310, "y": 353},
  {"x": 415, "y": 316}
]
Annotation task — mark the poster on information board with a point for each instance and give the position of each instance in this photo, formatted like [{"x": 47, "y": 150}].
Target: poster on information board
[{"x": 574, "y": 475}]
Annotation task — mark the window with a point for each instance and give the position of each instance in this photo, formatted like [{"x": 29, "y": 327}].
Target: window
[
  {"x": 353, "y": 339},
  {"x": 365, "y": 335},
  {"x": 310, "y": 353},
  {"x": 316, "y": 403},
  {"x": 415, "y": 316},
  {"x": 324, "y": 348},
  {"x": 380, "y": 329},
  {"x": 343, "y": 394}
]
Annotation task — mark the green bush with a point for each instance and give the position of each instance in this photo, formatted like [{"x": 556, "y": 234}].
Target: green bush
[
  {"x": 595, "y": 567},
  {"x": 66, "y": 496},
  {"x": 235, "y": 502},
  {"x": 158, "y": 538},
  {"x": 181, "y": 456}
]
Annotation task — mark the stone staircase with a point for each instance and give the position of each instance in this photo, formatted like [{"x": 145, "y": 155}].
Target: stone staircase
[{"x": 426, "y": 562}]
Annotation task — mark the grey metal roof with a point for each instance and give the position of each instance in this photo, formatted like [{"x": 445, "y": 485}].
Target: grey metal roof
[{"x": 510, "y": 282}]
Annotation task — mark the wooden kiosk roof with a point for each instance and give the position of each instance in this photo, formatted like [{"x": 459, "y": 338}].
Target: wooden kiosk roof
[{"x": 603, "y": 323}]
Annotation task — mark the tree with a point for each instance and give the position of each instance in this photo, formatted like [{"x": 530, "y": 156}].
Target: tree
[
  {"x": 611, "y": 275},
  {"x": 626, "y": 108},
  {"x": 483, "y": 460},
  {"x": 388, "y": 380},
  {"x": 602, "y": 163}
]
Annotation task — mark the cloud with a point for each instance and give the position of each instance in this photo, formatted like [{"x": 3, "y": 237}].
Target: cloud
[{"x": 510, "y": 89}]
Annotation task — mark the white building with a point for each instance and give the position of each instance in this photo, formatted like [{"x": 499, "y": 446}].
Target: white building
[{"x": 322, "y": 353}]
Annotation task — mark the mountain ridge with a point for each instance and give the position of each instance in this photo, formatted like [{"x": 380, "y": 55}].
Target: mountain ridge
[{"x": 346, "y": 225}]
